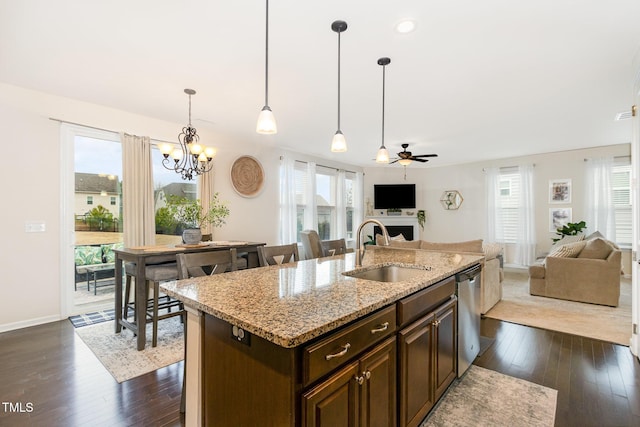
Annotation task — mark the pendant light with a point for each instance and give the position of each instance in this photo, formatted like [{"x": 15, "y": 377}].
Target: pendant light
[
  {"x": 383, "y": 154},
  {"x": 339, "y": 143},
  {"x": 266, "y": 120}
]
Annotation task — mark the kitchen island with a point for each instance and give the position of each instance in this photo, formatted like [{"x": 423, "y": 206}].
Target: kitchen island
[{"x": 263, "y": 344}]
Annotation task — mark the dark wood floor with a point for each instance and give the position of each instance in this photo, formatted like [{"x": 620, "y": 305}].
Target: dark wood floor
[
  {"x": 598, "y": 383},
  {"x": 50, "y": 368}
]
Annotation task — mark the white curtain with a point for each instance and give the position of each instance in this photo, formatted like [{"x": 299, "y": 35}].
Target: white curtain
[
  {"x": 599, "y": 208},
  {"x": 205, "y": 193},
  {"x": 341, "y": 207},
  {"x": 288, "y": 203},
  {"x": 525, "y": 249},
  {"x": 137, "y": 191},
  {"x": 492, "y": 189},
  {"x": 310, "y": 209}
]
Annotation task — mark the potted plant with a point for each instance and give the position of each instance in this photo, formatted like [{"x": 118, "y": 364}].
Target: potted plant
[
  {"x": 191, "y": 216},
  {"x": 571, "y": 229}
]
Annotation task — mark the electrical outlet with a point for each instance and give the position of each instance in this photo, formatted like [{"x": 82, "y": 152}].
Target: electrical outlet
[{"x": 241, "y": 335}]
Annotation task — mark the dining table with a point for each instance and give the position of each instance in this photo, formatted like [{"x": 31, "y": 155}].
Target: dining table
[{"x": 142, "y": 256}]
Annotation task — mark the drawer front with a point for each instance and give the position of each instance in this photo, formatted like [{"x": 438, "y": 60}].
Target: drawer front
[
  {"x": 421, "y": 302},
  {"x": 340, "y": 347}
]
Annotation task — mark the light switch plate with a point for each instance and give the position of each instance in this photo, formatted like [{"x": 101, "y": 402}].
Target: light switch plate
[{"x": 34, "y": 227}]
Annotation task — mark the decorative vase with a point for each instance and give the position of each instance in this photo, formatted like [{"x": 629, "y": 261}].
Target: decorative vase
[{"x": 191, "y": 236}]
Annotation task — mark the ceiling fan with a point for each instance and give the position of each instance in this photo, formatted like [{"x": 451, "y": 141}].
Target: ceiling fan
[{"x": 406, "y": 157}]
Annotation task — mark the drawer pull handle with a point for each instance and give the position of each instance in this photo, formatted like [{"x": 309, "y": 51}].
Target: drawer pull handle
[
  {"x": 341, "y": 353},
  {"x": 359, "y": 380},
  {"x": 380, "y": 328}
]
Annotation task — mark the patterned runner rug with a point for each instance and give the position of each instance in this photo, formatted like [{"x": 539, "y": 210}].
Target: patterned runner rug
[
  {"x": 117, "y": 352},
  {"x": 487, "y": 398}
]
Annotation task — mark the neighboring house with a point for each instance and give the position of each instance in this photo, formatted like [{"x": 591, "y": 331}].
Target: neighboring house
[
  {"x": 93, "y": 190},
  {"x": 180, "y": 189}
]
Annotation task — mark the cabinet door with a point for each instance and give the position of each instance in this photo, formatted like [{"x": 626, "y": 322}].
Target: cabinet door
[
  {"x": 446, "y": 346},
  {"x": 415, "y": 344},
  {"x": 378, "y": 370},
  {"x": 334, "y": 402}
]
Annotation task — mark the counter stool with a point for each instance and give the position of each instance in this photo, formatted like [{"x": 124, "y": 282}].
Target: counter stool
[{"x": 154, "y": 274}]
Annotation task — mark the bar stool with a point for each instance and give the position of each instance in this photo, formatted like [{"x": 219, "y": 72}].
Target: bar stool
[{"x": 154, "y": 274}]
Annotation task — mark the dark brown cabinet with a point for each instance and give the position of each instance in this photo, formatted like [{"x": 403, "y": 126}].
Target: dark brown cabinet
[
  {"x": 427, "y": 362},
  {"x": 363, "y": 374},
  {"x": 363, "y": 393}
]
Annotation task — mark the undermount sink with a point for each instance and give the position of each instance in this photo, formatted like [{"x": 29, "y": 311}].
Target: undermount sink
[{"x": 387, "y": 273}]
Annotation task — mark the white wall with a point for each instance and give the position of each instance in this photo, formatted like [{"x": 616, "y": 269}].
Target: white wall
[
  {"x": 30, "y": 262},
  {"x": 469, "y": 221}
]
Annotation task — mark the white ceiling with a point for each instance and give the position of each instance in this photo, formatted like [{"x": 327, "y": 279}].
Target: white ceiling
[{"x": 476, "y": 80}]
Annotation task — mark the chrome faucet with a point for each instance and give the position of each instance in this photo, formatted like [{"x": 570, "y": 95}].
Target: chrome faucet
[{"x": 359, "y": 250}]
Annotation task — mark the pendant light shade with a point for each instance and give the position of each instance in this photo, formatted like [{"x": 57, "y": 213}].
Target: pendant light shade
[
  {"x": 383, "y": 154},
  {"x": 266, "y": 120},
  {"x": 339, "y": 143}
]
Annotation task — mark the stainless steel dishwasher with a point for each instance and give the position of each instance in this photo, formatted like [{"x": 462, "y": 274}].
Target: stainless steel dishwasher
[{"x": 468, "y": 292}]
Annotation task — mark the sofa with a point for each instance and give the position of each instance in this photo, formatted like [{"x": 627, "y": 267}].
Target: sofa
[
  {"x": 88, "y": 257},
  {"x": 492, "y": 270},
  {"x": 585, "y": 270}
]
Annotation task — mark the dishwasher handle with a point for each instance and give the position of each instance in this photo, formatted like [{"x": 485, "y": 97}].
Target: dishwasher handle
[{"x": 469, "y": 274}]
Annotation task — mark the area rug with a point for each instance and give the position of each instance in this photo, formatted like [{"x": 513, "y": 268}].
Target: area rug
[
  {"x": 81, "y": 320},
  {"x": 611, "y": 324},
  {"x": 117, "y": 352},
  {"x": 487, "y": 398}
]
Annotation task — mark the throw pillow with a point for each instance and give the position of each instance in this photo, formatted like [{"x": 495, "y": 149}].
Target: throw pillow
[
  {"x": 596, "y": 249},
  {"x": 570, "y": 250},
  {"x": 87, "y": 255},
  {"x": 594, "y": 235},
  {"x": 107, "y": 251},
  {"x": 568, "y": 239},
  {"x": 380, "y": 239}
]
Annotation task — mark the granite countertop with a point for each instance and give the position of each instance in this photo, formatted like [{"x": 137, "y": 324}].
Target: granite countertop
[{"x": 293, "y": 303}]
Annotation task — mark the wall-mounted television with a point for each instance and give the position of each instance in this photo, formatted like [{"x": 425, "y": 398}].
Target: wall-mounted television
[{"x": 388, "y": 196}]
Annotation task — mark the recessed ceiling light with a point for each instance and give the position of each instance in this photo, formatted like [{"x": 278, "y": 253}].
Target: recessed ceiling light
[{"x": 405, "y": 26}]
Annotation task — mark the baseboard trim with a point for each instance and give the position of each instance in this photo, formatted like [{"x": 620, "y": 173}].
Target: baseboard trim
[{"x": 27, "y": 323}]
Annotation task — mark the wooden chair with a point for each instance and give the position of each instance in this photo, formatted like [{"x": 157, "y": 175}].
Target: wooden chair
[
  {"x": 311, "y": 244},
  {"x": 200, "y": 264},
  {"x": 270, "y": 255},
  {"x": 154, "y": 274},
  {"x": 197, "y": 265},
  {"x": 334, "y": 247}
]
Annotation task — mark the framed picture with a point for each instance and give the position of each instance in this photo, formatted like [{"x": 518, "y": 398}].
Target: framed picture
[
  {"x": 558, "y": 217},
  {"x": 560, "y": 191}
]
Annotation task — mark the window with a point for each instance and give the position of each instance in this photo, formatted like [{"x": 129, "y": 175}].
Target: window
[
  {"x": 167, "y": 183},
  {"x": 508, "y": 202},
  {"x": 113, "y": 200},
  {"x": 89, "y": 200},
  {"x": 327, "y": 200},
  {"x": 621, "y": 190}
]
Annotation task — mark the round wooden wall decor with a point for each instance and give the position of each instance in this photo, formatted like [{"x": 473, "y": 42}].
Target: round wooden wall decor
[{"x": 247, "y": 176}]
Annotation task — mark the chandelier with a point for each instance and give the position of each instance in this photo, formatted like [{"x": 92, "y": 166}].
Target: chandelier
[{"x": 190, "y": 159}]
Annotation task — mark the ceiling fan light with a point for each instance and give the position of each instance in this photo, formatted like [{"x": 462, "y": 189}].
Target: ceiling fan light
[
  {"x": 266, "y": 122},
  {"x": 404, "y": 162},
  {"x": 383, "y": 155},
  {"x": 338, "y": 143}
]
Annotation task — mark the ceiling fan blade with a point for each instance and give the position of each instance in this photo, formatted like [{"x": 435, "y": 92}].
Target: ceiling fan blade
[
  {"x": 393, "y": 161},
  {"x": 426, "y": 155},
  {"x": 421, "y": 160}
]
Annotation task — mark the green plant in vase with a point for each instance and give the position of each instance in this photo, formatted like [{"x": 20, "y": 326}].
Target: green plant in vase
[
  {"x": 421, "y": 218},
  {"x": 192, "y": 217}
]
